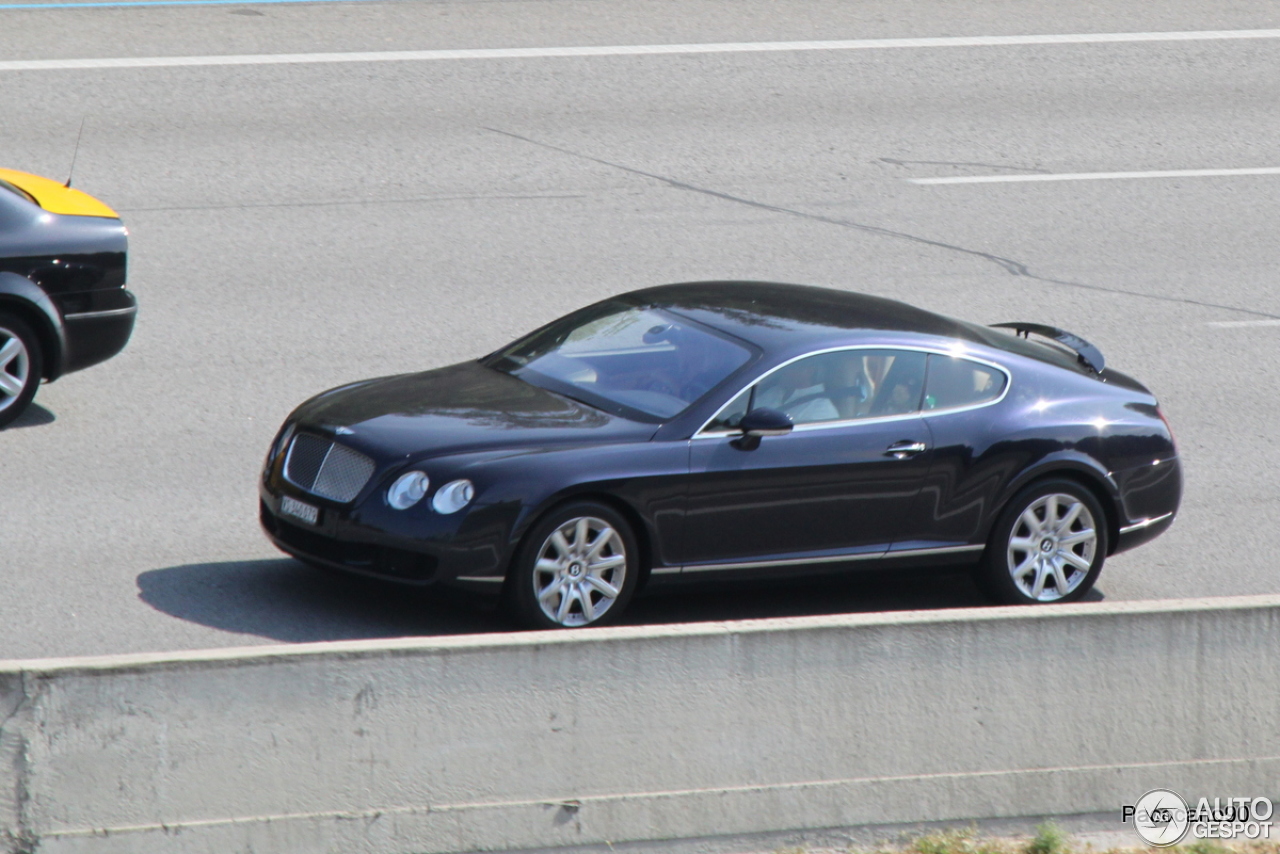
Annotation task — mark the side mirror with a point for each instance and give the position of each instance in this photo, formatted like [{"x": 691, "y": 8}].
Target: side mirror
[{"x": 762, "y": 422}]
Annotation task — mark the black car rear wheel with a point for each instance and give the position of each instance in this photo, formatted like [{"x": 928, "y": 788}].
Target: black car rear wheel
[
  {"x": 578, "y": 567},
  {"x": 1048, "y": 545},
  {"x": 20, "y": 367}
]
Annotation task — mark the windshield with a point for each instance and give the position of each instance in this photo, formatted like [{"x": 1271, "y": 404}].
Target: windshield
[{"x": 637, "y": 362}]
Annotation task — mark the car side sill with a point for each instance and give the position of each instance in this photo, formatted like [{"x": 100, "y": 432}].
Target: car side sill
[{"x": 808, "y": 561}]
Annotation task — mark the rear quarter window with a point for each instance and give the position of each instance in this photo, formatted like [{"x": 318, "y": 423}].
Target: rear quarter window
[{"x": 954, "y": 383}]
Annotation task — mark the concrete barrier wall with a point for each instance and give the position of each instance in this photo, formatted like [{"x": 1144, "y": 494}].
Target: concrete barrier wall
[{"x": 548, "y": 739}]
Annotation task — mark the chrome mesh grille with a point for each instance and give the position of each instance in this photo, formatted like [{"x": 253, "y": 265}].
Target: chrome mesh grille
[
  {"x": 326, "y": 468},
  {"x": 306, "y": 455}
]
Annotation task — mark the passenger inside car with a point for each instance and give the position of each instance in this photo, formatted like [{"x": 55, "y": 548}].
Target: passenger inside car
[{"x": 798, "y": 390}]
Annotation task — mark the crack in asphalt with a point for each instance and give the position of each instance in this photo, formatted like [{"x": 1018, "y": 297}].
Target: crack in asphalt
[
  {"x": 1009, "y": 265},
  {"x": 961, "y": 164}
]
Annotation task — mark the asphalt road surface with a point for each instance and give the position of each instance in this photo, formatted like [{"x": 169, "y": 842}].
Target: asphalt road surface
[{"x": 299, "y": 225}]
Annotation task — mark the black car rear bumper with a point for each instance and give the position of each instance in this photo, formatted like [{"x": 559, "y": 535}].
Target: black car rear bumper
[
  {"x": 95, "y": 336},
  {"x": 1149, "y": 499}
]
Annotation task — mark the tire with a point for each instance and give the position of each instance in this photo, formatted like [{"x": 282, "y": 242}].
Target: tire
[
  {"x": 21, "y": 366},
  {"x": 1047, "y": 546},
  {"x": 578, "y": 567}
]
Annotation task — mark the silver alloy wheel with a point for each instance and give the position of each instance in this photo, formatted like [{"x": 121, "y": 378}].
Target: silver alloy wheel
[
  {"x": 15, "y": 368},
  {"x": 1052, "y": 546},
  {"x": 579, "y": 572}
]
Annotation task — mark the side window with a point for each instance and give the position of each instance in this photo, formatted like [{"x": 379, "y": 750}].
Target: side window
[
  {"x": 731, "y": 415},
  {"x": 845, "y": 385},
  {"x": 954, "y": 382},
  {"x": 803, "y": 390},
  {"x": 896, "y": 380}
]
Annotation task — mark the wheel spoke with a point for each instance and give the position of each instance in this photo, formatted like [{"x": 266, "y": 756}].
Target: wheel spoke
[
  {"x": 1085, "y": 536},
  {"x": 1060, "y": 578},
  {"x": 560, "y": 543},
  {"x": 581, "y": 534},
  {"x": 9, "y": 384},
  {"x": 1075, "y": 560},
  {"x": 1021, "y": 570},
  {"x": 1051, "y": 513},
  {"x": 606, "y": 589},
  {"x": 547, "y": 565},
  {"x": 588, "y": 608},
  {"x": 1023, "y": 544},
  {"x": 611, "y": 562},
  {"x": 1038, "y": 588},
  {"x": 11, "y": 350},
  {"x": 550, "y": 590},
  {"x": 1032, "y": 521},
  {"x": 602, "y": 539},
  {"x": 566, "y": 599},
  {"x": 1068, "y": 520}
]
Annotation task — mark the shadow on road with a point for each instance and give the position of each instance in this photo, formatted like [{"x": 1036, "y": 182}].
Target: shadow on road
[
  {"x": 287, "y": 601},
  {"x": 35, "y": 416},
  {"x": 284, "y": 600}
]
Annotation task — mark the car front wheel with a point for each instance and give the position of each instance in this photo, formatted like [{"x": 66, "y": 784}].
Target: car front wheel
[
  {"x": 578, "y": 567},
  {"x": 1048, "y": 545},
  {"x": 20, "y": 367}
]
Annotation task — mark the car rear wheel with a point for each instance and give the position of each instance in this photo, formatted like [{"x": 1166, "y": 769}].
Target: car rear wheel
[
  {"x": 578, "y": 567},
  {"x": 20, "y": 367},
  {"x": 1048, "y": 546}
]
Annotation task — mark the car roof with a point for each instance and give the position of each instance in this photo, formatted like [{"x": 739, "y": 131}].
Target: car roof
[
  {"x": 765, "y": 313},
  {"x": 785, "y": 318}
]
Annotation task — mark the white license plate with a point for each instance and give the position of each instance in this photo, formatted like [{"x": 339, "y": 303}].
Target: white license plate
[{"x": 299, "y": 509}]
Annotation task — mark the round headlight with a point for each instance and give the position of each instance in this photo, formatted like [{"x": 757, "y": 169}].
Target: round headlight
[
  {"x": 408, "y": 490},
  {"x": 453, "y": 496}
]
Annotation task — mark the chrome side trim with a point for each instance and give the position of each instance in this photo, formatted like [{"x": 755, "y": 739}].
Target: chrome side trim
[
  {"x": 111, "y": 312},
  {"x": 794, "y": 561},
  {"x": 804, "y": 561},
  {"x": 487, "y": 578},
  {"x": 824, "y": 425},
  {"x": 1145, "y": 523},
  {"x": 940, "y": 550}
]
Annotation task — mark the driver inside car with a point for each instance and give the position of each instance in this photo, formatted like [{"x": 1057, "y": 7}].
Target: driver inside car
[{"x": 799, "y": 391}]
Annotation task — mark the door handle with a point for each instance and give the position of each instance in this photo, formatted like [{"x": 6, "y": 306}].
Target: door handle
[{"x": 902, "y": 450}]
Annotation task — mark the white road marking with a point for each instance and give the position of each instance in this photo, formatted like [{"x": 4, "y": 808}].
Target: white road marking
[
  {"x": 1236, "y": 324},
  {"x": 1097, "y": 176},
  {"x": 629, "y": 50}
]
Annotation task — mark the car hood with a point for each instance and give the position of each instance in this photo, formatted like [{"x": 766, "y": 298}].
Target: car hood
[{"x": 461, "y": 408}]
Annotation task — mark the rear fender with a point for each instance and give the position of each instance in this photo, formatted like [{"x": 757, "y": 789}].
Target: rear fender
[
  {"x": 1073, "y": 466},
  {"x": 20, "y": 294}
]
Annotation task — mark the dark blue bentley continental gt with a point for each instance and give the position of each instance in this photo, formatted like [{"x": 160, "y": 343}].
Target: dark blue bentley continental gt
[{"x": 730, "y": 429}]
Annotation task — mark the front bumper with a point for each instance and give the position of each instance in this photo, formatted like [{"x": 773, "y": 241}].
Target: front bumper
[{"x": 465, "y": 551}]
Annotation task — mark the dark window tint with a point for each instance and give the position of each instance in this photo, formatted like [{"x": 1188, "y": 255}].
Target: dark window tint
[
  {"x": 844, "y": 385},
  {"x": 955, "y": 382},
  {"x": 638, "y": 362},
  {"x": 731, "y": 416}
]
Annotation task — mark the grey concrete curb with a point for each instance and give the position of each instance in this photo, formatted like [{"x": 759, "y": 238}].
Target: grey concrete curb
[{"x": 551, "y": 739}]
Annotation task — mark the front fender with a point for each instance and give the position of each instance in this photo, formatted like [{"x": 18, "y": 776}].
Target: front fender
[
  {"x": 21, "y": 293},
  {"x": 647, "y": 479}
]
